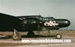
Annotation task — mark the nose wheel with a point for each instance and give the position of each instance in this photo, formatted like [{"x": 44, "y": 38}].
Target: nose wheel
[{"x": 58, "y": 36}]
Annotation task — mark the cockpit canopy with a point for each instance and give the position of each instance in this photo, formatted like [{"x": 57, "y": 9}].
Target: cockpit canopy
[
  {"x": 48, "y": 18},
  {"x": 39, "y": 17}
]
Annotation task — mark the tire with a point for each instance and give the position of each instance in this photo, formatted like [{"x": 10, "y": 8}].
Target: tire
[
  {"x": 17, "y": 36},
  {"x": 58, "y": 36},
  {"x": 30, "y": 34}
]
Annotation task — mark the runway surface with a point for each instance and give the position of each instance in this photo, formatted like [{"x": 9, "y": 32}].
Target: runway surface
[{"x": 43, "y": 35}]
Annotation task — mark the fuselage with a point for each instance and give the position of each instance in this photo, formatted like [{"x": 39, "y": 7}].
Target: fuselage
[
  {"x": 56, "y": 23},
  {"x": 30, "y": 23}
]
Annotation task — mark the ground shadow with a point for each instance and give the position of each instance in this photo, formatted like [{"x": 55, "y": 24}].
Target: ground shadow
[
  {"x": 6, "y": 37},
  {"x": 25, "y": 36}
]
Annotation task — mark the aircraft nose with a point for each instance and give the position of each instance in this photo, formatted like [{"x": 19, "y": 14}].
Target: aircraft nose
[
  {"x": 67, "y": 22},
  {"x": 63, "y": 22}
]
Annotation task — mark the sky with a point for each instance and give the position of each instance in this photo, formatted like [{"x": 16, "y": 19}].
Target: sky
[{"x": 62, "y": 9}]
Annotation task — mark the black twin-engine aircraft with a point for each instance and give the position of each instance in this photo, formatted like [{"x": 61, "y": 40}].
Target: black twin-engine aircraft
[{"x": 30, "y": 23}]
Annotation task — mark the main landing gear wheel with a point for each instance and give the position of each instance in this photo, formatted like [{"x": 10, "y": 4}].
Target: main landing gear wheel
[
  {"x": 16, "y": 35},
  {"x": 30, "y": 34},
  {"x": 58, "y": 36}
]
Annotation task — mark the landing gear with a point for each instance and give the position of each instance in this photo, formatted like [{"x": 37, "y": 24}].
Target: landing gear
[
  {"x": 16, "y": 35},
  {"x": 58, "y": 36},
  {"x": 30, "y": 34}
]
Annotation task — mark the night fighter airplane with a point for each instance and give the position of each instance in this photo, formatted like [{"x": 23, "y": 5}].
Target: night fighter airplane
[{"x": 30, "y": 23}]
